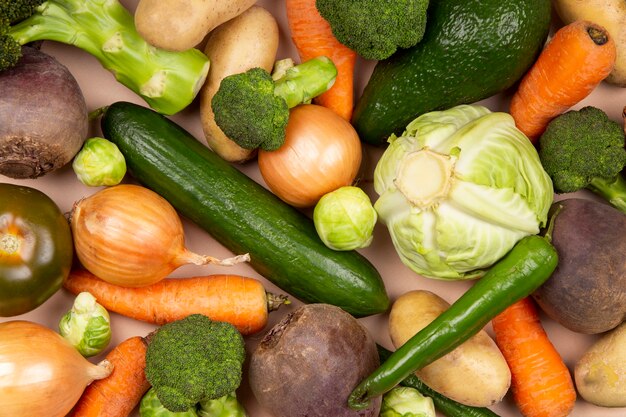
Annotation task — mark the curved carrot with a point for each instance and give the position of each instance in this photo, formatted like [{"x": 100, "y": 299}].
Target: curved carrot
[
  {"x": 541, "y": 383},
  {"x": 312, "y": 36},
  {"x": 573, "y": 63},
  {"x": 119, "y": 393},
  {"x": 235, "y": 299}
]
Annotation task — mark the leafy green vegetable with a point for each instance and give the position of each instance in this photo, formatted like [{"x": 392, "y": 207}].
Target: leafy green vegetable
[
  {"x": 193, "y": 360},
  {"x": 226, "y": 406},
  {"x": 345, "y": 219},
  {"x": 150, "y": 406},
  {"x": 458, "y": 189},
  {"x": 87, "y": 326},
  {"x": 252, "y": 108},
  {"x": 585, "y": 149},
  {"x": 406, "y": 402},
  {"x": 167, "y": 80},
  {"x": 99, "y": 163},
  {"x": 375, "y": 29}
]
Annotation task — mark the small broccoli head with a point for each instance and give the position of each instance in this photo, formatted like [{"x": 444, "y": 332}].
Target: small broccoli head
[
  {"x": 248, "y": 111},
  {"x": 11, "y": 12},
  {"x": 194, "y": 359},
  {"x": 581, "y": 145},
  {"x": 16, "y": 10},
  {"x": 10, "y": 50},
  {"x": 375, "y": 29}
]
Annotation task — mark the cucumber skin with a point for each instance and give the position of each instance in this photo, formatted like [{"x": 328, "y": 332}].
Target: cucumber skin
[
  {"x": 468, "y": 53},
  {"x": 241, "y": 214}
]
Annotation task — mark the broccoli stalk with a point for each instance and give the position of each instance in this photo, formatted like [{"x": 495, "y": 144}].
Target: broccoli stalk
[
  {"x": 252, "y": 108},
  {"x": 168, "y": 81},
  {"x": 584, "y": 149},
  {"x": 194, "y": 360},
  {"x": 375, "y": 29}
]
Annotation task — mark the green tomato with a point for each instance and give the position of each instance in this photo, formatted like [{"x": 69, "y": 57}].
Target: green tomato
[
  {"x": 345, "y": 219},
  {"x": 99, "y": 162},
  {"x": 35, "y": 249},
  {"x": 150, "y": 406},
  {"x": 87, "y": 326}
]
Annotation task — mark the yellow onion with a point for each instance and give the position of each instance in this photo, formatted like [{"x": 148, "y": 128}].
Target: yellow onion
[
  {"x": 41, "y": 374},
  {"x": 321, "y": 153},
  {"x": 130, "y": 236}
]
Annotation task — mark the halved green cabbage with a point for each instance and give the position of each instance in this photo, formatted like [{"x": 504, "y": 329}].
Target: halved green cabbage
[{"x": 458, "y": 189}]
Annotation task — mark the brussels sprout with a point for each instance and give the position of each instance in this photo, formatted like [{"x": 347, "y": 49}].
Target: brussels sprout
[
  {"x": 87, "y": 325},
  {"x": 406, "y": 402},
  {"x": 99, "y": 162},
  {"x": 226, "y": 406},
  {"x": 345, "y": 219},
  {"x": 459, "y": 189},
  {"x": 150, "y": 406}
]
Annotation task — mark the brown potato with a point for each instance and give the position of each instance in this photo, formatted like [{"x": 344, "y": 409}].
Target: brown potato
[
  {"x": 600, "y": 374},
  {"x": 250, "y": 40},
  {"x": 474, "y": 374},
  {"x": 309, "y": 363},
  {"x": 178, "y": 25}
]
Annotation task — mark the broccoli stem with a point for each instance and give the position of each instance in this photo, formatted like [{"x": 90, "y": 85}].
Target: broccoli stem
[
  {"x": 301, "y": 83},
  {"x": 167, "y": 81},
  {"x": 613, "y": 190}
]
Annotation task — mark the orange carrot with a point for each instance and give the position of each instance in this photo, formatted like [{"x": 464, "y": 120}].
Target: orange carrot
[
  {"x": 119, "y": 393},
  {"x": 312, "y": 36},
  {"x": 541, "y": 383},
  {"x": 573, "y": 63},
  {"x": 235, "y": 299}
]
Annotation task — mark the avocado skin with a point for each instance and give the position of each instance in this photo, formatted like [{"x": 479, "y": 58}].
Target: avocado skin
[{"x": 472, "y": 49}]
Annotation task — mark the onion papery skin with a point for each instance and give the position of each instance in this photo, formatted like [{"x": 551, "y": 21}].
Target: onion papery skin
[
  {"x": 321, "y": 153},
  {"x": 41, "y": 374},
  {"x": 128, "y": 235}
]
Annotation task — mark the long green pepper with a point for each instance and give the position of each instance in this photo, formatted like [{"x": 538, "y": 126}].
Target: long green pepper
[{"x": 528, "y": 265}]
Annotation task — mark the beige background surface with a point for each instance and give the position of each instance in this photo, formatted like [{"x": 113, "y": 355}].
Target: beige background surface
[{"x": 100, "y": 88}]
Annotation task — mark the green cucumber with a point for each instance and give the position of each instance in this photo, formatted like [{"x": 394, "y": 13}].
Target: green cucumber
[
  {"x": 241, "y": 214},
  {"x": 472, "y": 49}
]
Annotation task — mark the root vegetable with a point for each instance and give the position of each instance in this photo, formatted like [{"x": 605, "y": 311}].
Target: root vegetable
[
  {"x": 600, "y": 374},
  {"x": 43, "y": 116},
  {"x": 610, "y": 14},
  {"x": 178, "y": 25},
  {"x": 587, "y": 291},
  {"x": 308, "y": 363},
  {"x": 249, "y": 40},
  {"x": 478, "y": 359}
]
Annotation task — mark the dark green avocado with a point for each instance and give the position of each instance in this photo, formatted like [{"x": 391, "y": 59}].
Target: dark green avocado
[{"x": 472, "y": 49}]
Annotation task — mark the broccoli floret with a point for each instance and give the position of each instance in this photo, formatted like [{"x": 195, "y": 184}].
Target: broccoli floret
[
  {"x": 375, "y": 29},
  {"x": 194, "y": 359},
  {"x": 252, "y": 108},
  {"x": 584, "y": 149},
  {"x": 168, "y": 81}
]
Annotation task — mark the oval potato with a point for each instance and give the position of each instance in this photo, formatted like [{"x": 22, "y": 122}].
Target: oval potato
[
  {"x": 248, "y": 41},
  {"x": 600, "y": 374},
  {"x": 474, "y": 374},
  {"x": 178, "y": 25}
]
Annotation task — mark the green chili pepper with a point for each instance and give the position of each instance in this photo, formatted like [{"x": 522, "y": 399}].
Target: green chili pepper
[
  {"x": 521, "y": 271},
  {"x": 447, "y": 406}
]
